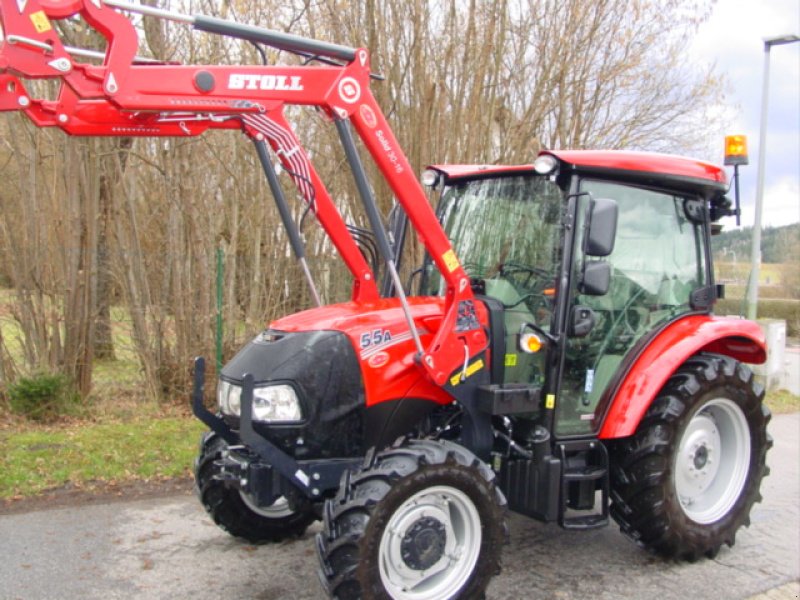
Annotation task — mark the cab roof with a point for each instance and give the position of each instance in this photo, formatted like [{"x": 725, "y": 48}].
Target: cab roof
[
  {"x": 454, "y": 173},
  {"x": 646, "y": 167}
]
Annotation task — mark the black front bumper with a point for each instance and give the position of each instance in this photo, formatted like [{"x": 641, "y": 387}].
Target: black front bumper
[{"x": 263, "y": 470}]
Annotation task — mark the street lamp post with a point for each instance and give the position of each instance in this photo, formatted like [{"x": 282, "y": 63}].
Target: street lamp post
[{"x": 755, "y": 254}]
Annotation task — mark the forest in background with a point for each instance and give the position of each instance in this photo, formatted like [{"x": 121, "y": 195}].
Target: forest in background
[
  {"x": 778, "y": 245},
  {"x": 97, "y": 232}
]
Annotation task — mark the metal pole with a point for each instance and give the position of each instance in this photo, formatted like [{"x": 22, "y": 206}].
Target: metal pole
[
  {"x": 220, "y": 273},
  {"x": 286, "y": 216},
  {"x": 151, "y": 11},
  {"x": 755, "y": 251}
]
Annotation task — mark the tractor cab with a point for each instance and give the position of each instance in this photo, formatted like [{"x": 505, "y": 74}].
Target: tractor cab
[{"x": 580, "y": 259}]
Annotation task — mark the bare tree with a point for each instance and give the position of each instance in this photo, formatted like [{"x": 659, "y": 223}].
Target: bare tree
[{"x": 85, "y": 223}]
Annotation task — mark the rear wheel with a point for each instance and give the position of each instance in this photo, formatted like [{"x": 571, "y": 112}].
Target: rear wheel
[
  {"x": 424, "y": 522},
  {"x": 685, "y": 482},
  {"x": 237, "y": 513}
]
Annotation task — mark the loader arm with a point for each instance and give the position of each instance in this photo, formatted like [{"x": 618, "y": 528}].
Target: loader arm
[{"x": 128, "y": 95}]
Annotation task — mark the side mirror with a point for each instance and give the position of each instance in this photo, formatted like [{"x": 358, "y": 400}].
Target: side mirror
[
  {"x": 602, "y": 228},
  {"x": 596, "y": 278}
]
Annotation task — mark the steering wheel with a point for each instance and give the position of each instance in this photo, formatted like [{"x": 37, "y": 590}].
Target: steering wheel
[
  {"x": 511, "y": 268},
  {"x": 530, "y": 281},
  {"x": 527, "y": 279}
]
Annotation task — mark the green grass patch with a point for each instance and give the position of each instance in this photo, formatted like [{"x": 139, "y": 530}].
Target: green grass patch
[
  {"x": 768, "y": 273},
  {"x": 739, "y": 292},
  {"x": 782, "y": 401},
  {"x": 81, "y": 453}
]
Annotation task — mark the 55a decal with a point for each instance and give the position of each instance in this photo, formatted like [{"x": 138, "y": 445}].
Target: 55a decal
[{"x": 375, "y": 337}]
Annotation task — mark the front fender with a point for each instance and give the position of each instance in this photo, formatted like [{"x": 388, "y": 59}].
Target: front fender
[{"x": 732, "y": 336}]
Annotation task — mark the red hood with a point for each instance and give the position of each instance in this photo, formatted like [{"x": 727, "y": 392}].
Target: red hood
[
  {"x": 353, "y": 318},
  {"x": 380, "y": 335}
]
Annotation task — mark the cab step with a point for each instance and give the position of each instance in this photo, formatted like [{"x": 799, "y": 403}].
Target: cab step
[{"x": 584, "y": 473}]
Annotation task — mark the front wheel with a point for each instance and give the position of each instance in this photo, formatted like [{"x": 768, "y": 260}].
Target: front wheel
[
  {"x": 424, "y": 522},
  {"x": 236, "y": 512},
  {"x": 686, "y": 481}
]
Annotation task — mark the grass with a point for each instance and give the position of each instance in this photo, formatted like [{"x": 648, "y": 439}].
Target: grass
[
  {"x": 121, "y": 437},
  {"x": 782, "y": 402},
  {"x": 81, "y": 454},
  {"x": 768, "y": 273},
  {"x": 35, "y": 458}
]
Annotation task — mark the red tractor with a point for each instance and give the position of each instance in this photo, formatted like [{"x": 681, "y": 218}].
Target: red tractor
[{"x": 559, "y": 356}]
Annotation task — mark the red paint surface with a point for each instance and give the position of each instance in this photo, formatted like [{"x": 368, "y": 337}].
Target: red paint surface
[
  {"x": 398, "y": 374},
  {"x": 453, "y": 173},
  {"x": 644, "y": 162},
  {"x": 732, "y": 336}
]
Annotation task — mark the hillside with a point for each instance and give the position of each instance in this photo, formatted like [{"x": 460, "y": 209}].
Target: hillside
[{"x": 778, "y": 244}]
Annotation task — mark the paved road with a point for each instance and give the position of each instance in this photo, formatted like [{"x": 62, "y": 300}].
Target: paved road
[{"x": 168, "y": 548}]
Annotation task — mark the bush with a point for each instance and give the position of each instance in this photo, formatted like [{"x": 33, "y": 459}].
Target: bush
[
  {"x": 768, "y": 308},
  {"x": 43, "y": 396}
]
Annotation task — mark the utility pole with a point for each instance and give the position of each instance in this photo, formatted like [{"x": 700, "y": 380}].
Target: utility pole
[{"x": 755, "y": 253}]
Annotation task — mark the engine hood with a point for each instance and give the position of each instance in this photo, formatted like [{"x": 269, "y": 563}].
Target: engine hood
[
  {"x": 382, "y": 341},
  {"x": 352, "y": 318}
]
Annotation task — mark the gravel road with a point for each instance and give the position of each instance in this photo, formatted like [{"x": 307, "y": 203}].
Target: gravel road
[{"x": 168, "y": 548}]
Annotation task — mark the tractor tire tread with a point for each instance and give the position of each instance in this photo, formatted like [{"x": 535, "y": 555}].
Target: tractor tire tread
[
  {"x": 227, "y": 509},
  {"x": 342, "y": 544},
  {"x": 642, "y": 501}
]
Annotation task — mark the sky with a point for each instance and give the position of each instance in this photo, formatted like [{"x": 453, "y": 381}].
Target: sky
[{"x": 733, "y": 39}]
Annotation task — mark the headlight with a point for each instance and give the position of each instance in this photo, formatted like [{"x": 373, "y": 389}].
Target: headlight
[
  {"x": 276, "y": 403},
  {"x": 229, "y": 398},
  {"x": 545, "y": 164},
  {"x": 429, "y": 178},
  {"x": 271, "y": 403}
]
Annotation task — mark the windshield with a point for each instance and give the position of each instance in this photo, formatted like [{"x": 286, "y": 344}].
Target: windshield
[{"x": 506, "y": 232}]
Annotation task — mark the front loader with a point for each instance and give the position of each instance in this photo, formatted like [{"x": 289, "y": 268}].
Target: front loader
[{"x": 559, "y": 356}]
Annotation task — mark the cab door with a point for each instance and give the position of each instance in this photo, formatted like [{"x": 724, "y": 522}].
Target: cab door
[{"x": 658, "y": 259}]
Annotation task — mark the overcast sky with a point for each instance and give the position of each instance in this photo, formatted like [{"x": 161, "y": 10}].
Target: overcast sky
[{"x": 733, "y": 38}]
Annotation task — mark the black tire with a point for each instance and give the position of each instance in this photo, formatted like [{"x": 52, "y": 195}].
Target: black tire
[
  {"x": 672, "y": 452},
  {"x": 227, "y": 506},
  {"x": 353, "y": 543}
]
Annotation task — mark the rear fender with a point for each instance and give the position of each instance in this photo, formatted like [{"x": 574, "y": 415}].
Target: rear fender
[{"x": 734, "y": 337}]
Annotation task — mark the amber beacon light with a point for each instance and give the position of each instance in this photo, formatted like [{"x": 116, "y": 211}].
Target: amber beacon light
[
  {"x": 735, "y": 156},
  {"x": 735, "y": 150}
]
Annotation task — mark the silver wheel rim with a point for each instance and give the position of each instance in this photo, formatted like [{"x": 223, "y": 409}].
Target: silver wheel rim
[
  {"x": 712, "y": 461},
  {"x": 276, "y": 510},
  {"x": 456, "y": 513}
]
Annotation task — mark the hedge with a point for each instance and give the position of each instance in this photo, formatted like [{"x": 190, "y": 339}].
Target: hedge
[{"x": 768, "y": 308}]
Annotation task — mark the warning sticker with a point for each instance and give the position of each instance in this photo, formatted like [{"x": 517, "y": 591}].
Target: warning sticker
[
  {"x": 471, "y": 370},
  {"x": 550, "y": 401},
  {"x": 511, "y": 360},
  {"x": 450, "y": 260},
  {"x": 40, "y": 21}
]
